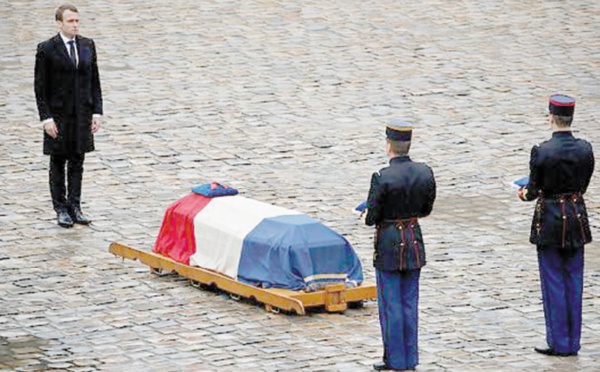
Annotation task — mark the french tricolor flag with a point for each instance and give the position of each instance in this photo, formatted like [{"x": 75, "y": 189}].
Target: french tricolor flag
[{"x": 256, "y": 243}]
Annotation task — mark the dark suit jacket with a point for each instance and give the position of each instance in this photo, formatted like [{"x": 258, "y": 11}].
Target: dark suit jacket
[
  {"x": 67, "y": 93},
  {"x": 399, "y": 195},
  {"x": 560, "y": 172}
]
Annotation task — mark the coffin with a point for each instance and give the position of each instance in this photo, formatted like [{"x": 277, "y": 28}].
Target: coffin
[{"x": 256, "y": 243}]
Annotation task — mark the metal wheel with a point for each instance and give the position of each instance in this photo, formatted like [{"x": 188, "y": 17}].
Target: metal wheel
[
  {"x": 272, "y": 309},
  {"x": 356, "y": 305},
  {"x": 156, "y": 271}
]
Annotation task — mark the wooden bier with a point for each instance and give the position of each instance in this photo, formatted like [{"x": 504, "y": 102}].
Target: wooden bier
[{"x": 334, "y": 297}]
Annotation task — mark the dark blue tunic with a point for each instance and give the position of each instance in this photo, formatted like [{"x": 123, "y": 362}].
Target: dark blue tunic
[
  {"x": 399, "y": 195},
  {"x": 560, "y": 172}
]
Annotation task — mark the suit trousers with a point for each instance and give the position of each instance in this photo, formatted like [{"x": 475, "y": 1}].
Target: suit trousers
[
  {"x": 61, "y": 200},
  {"x": 561, "y": 277},
  {"x": 398, "y": 299}
]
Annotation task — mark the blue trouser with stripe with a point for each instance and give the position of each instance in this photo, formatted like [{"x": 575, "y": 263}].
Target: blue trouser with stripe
[
  {"x": 398, "y": 300},
  {"x": 561, "y": 277}
]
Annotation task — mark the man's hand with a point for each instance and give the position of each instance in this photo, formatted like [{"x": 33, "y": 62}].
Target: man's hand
[
  {"x": 96, "y": 121},
  {"x": 51, "y": 129},
  {"x": 363, "y": 216}
]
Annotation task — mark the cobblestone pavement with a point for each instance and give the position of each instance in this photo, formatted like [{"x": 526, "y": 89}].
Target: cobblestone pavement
[{"x": 286, "y": 101}]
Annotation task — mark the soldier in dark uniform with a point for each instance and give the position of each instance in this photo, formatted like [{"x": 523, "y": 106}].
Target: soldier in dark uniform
[
  {"x": 399, "y": 195},
  {"x": 560, "y": 172}
]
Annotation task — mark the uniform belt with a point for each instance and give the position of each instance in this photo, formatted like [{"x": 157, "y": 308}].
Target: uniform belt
[
  {"x": 567, "y": 195},
  {"x": 404, "y": 222}
]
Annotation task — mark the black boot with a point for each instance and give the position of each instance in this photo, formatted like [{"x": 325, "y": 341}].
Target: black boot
[
  {"x": 381, "y": 366},
  {"x": 79, "y": 217},
  {"x": 64, "y": 220}
]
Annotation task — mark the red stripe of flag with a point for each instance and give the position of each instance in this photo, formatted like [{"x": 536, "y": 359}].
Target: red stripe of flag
[{"x": 176, "y": 237}]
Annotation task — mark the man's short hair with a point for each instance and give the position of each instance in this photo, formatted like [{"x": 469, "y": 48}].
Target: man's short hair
[
  {"x": 61, "y": 10},
  {"x": 399, "y": 148},
  {"x": 563, "y": 121}
]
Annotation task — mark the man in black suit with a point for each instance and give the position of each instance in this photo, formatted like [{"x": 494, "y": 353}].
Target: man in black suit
[
  {"x": 399, "y": 195},
  {"x": 69, "y": 101},
  {"x": 560, "y": 172}
]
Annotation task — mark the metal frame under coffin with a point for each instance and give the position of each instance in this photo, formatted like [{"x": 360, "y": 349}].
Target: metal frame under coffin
[{"x": 334, "y": 298}]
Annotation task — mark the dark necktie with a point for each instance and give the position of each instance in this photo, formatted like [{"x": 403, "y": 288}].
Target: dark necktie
[{"x": 72, "y": 52}]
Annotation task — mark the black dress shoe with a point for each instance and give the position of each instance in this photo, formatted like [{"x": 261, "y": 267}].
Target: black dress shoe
[
  {"x": 552, "y": 352},
  {"x": 64, "y": 219},
  {"x": 381, "y": 366},
  {"x": 79, "y": 217}
]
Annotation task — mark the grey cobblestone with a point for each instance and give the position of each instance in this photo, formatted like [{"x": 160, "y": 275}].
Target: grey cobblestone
[{"x": 286, "y": 102}]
